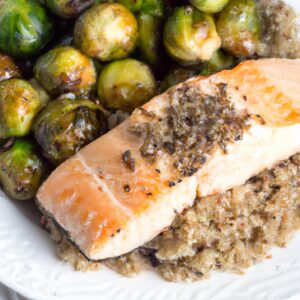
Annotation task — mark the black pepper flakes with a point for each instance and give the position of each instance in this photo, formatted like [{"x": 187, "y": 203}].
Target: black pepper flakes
[
  {"x": 193, "y": 126},
  {"x": 158, "y": 171},
  {"x": 171, "y": 183},
  {"x": 149, "y": 194},
  {"x": 127, "y": 188},
  {"x": 128, "y": 160}
]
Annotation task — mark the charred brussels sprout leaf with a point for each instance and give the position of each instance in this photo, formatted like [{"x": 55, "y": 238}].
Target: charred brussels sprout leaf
[
  {"x": 219, "y": 61},
  {"x": 176, "y": 76},
  {"x": 25, "y": 27},
  {"x": 65, "y": 126},
  {"x": 21, "y": 171},
  {"x": 8, "y": 69},
  {"x": 126, "y": 84},
  {"x": 239, "y": 27},
  {"x": 107, "y": 31},
  {"x": 209, "y": 6},
  {"x": 19, "y": 104},
  {"x": 68, "y": 8},
  {"x": 149, "y": 42},
  {"x": 65, "y": 70},
  {"x": 190, "y": 36}
]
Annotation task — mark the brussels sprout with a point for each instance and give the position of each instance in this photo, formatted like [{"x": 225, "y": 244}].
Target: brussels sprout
[
  {"x": 19, "y": 104},
  {"x": 149, "y": 39},
  {"x": 21, "y": 171},
  {"x": 25, "y": 27},
  {"x": 68, "y": 8},
  {"x": 126, "y": 84},
  {"x": 218, "y": 62},
  {"x": 64, "y": 70},
  {"x": 8, "y": 69},
  {"x": 190, "y": 36},
  {"x": 176, "y": 76},
  {"x": 106, "y": 31},
  {"x": 209, "y": 6},
  {"x": 43, "y": 95},
  {"x": 65, "y": 126},
  {"x": 151, "y": 7},
  {"x": 239, "y": 27}
]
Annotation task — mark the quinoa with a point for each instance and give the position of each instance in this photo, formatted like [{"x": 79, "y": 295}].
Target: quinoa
[{"x": 281, "y": 30}]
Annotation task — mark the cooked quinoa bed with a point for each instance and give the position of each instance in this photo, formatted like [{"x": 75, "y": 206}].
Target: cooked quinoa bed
[{"x": 226, "y": 232}]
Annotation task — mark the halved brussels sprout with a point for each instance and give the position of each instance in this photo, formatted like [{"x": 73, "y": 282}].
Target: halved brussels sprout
[
  {"x": 176, "y": 76},
  {"x": 239, "y": 27},
  {"x": 65, "y": 70},
  {"x": 149, "y": 41},
  {"x": 219, "y": 61},
  {"x": 68, "y": 8},
  {"x": 25, "y": 27},
  {"x": 209, "y": 6},
  {"x": 126, "y": 84},
  {"x": 21, "y": 170},
  {"x": 8, "y": 69},
  {"x": 65, "y": 126},
  {"x": 19, "y": 104},
  {"x": 107, "y": 31},
  {"x": 190, "y": 36}
]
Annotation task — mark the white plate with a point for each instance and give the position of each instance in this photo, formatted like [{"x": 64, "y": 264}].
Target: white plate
[{"x": 28, "y": 264}]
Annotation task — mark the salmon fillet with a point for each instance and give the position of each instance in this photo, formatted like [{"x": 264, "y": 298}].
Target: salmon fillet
[{"x": 201, "y": 137}]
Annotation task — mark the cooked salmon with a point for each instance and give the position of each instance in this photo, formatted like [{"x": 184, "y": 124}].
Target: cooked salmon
[{"x": 201, "y": 137}]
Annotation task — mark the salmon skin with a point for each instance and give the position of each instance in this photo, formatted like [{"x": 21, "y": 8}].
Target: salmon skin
[{"x": 201, "y": 137}]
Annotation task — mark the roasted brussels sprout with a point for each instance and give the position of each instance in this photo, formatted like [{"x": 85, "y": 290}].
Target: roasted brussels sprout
[
  {"x": 106, "y": 31},
  {"x": 25, "y": 27},
  {"x": 19, "y": 104},
  {"x": 21, "y": 170},
  {"x": 65, "y": 126},
  {"x": 64, "y": 70},
  {"x": 68, "y": 8},
  {"x": 43, "y": 95},
  {"x": 190, "y": 36},
  {"x": 176, "y": 76},
  {"x": 218, "y": 62},
  {"x": 149, "y": 41},
  {"x": 151, "y": 7},
  {"x": 8, "y": 69},
  {"x": 239, "y": 27},
  {"x": 126, "y": 84},
  {"x": 209, "y": 6}
]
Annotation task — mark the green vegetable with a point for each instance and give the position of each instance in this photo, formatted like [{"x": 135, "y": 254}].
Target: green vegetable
[
  {"x": 149, "y": 42},
  {"x": 21, "y": 171},
  {"x": 68, "y": 8},
  {"x": 8, "y": 69},
  {"x": 65, "y": 126},
  {"x": 126, "y": 84},
  {"x": 190, "y": 36},
  {"x": 19, "y": 104},
  {"x": 154, "y": 8},
  {"x": 25, "y": 27},
  {"x": 107, "y": 31},
  {"x": 218, "y": 62},
  {"x": 209, "y": 6},
  {"x": 176, "y": 76},
  {"x": 65, "y": 69},
  {"x": 239, "y": 27}
]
